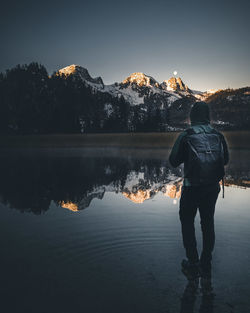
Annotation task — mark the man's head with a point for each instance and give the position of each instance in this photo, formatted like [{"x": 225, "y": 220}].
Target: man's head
[{"x": 200, "y": 113}]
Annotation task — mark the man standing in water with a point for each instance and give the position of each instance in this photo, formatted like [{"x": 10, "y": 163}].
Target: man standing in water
[{"x": 204, "y": 152}]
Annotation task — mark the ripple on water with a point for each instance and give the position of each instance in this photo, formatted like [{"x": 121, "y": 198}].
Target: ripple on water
[{"x": 113, "y": 241}]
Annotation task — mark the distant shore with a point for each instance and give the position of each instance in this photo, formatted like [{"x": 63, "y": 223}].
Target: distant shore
[{"x": 235, "y": 139}]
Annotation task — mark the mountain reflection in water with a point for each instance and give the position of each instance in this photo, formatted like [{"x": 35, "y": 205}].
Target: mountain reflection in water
[
  {"x": 123, "y": 253},
  {"x": 31, "y": 180}
]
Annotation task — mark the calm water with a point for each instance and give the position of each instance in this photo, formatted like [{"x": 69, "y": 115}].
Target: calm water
[{"x": 97, "y": 230}]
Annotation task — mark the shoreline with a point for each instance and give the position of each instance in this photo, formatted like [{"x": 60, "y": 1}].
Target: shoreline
[{"x": 235, "y": 140}]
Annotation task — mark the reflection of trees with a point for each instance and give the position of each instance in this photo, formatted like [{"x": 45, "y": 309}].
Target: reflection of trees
[{"x": 31, "y": 182}]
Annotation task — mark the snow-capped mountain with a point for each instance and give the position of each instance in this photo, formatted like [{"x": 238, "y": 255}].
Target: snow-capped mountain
[
  {"x": 138, "y": 88},
  {"x": 147, "y": 90},
  {"x": 173, "y": 98},
  {"x": 140, "y": 79},
  {"x": 204, "y": 95}
]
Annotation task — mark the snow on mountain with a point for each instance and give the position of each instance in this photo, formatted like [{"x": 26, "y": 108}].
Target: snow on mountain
[
  {"x": 129, "y": 94},
  {"x": 203, "y": 95},
  {"x": 211, "y": 91},
  {"x": 138, "y": 88}
]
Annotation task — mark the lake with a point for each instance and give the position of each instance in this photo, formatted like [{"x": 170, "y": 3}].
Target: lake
[{"x": 97, "y": 230}]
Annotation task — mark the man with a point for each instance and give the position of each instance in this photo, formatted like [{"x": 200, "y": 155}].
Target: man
[{"x": 204, "y": 152}]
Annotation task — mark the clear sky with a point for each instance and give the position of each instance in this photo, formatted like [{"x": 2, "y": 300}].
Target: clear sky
[{"x": 207, "y": 42}]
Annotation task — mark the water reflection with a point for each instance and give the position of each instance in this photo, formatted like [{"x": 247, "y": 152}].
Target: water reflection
[
  {"x": 189, "y": 296},
  {"x": 122, "y": 253},
  {"x": 30, "y": 181},
  {"x": 193, "y": 289}
]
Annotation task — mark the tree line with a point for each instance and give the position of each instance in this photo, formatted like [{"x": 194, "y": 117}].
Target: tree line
[{"x": 32, "y": 102}]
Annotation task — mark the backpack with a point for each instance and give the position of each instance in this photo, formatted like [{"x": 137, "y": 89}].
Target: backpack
[{"x": 205, "y": 157}]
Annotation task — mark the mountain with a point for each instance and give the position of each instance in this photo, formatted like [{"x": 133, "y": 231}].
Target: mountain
[
  {"x": 230, "y": 108},
  {"x": 176, "y": 85},
  {"x": 137, "y": 88},
  {"x": 173, "y": 98},
  {"x": 203, "y": 95},
  {"x": 140, "y": 79},
  {"x": 72, "y": 101},
  {"x": 83, "y": 74},
  {"x": 144, "y": 92}
]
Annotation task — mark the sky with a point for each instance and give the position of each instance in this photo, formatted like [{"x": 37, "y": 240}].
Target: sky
[{"x": 206, "y": 42}]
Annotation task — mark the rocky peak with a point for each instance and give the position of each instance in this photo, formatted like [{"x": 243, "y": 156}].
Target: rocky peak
[
  {"x": 175, "y": 84},
  {"x": 80, "y": 72},
  {"x": 139, "y": 196},
  {"x": 140, "y": 79}
]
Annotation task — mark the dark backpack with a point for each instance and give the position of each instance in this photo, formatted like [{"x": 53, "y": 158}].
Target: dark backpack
[{"x": 205, "y": 157}]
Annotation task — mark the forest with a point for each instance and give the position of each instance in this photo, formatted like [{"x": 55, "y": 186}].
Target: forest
[{"x": 33, "y": 102}]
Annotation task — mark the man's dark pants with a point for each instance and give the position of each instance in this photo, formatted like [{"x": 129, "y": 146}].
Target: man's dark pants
[{"x": 203, "y": 198}]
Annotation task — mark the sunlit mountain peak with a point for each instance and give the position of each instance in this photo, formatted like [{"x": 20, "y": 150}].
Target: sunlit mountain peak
[
  {"x": 175, "y": 84},
  {"x": 69, "y": 205},
  {"x": 71, "y": 69},
  {"x": 172, "y": 191},
  {"x": 138, "y": 197},
  {"x": 140, "y": 79},
  {"x": 81, "y": 72}
]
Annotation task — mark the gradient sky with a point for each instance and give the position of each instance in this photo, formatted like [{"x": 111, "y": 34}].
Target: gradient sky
[{"x": 206, "y": 42}]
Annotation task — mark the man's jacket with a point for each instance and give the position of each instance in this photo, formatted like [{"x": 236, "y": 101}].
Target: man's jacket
[{"x": 179, "y": 153}]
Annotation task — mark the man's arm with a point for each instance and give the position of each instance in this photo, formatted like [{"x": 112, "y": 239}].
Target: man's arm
[{"x": 177, "y": 154}]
